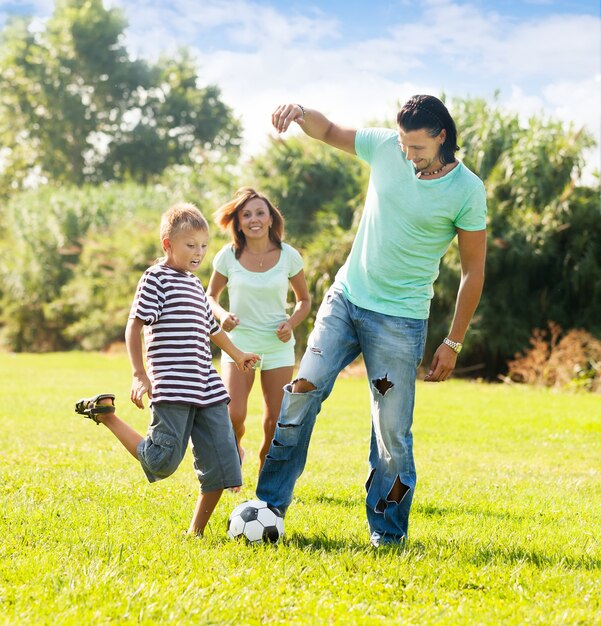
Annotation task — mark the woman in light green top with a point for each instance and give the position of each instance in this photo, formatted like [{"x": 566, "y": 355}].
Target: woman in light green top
[{"x": 257, "y": 268}]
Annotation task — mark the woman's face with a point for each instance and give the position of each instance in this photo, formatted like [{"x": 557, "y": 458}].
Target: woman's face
[{"x": 255, "y": 219}]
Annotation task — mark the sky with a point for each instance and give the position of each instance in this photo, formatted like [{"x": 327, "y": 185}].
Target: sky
[{"x": 355, "y": 61}]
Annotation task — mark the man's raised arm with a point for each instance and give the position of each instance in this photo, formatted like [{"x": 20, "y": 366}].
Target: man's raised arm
[{"x": 314, "y": 124}]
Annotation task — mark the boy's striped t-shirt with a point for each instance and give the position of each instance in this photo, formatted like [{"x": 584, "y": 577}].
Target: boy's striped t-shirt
[{"x": 178, "y": 322}]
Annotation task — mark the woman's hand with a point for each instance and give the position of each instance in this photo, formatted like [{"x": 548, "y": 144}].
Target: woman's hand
[
  {"x": 229, "y": 322},
  {"x": 284, "y": 332}
]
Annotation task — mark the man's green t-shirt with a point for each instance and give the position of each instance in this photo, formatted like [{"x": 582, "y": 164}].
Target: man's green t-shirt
[{"x": 406, "y": 227}]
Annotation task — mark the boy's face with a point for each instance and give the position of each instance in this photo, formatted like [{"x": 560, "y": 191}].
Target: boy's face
[{"x": 186, "y": 249}]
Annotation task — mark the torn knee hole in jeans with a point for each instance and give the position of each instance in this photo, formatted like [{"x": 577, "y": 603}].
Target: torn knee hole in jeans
[
  {"x": 302, "y": 385},
  {"x": 284, "y": 427},
  {"x": 397, "y": 491},
  {"x": 396, "y": 494},
  {"x": 382, "y": 384}
]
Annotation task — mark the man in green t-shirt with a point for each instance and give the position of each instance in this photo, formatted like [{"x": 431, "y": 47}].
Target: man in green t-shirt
[{"x": 419, "y": 198}]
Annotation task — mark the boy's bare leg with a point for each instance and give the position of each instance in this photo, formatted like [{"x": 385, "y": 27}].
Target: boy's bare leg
[
  {"x": 124, "y": 432},
  {"x": 205, "y": 505}
]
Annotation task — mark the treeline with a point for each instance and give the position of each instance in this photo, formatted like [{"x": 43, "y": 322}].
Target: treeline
[{"x": 96, "y": 146}]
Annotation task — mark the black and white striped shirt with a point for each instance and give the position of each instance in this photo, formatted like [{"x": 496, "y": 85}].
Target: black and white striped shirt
[{"x": 178, "y": 322}]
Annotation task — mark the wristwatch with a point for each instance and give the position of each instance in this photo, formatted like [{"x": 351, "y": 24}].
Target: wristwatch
[{"x": 454, "y": 345}]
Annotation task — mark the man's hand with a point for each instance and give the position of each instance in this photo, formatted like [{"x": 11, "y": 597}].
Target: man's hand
[
  {"x": 139, "y": 386},
  {"x": 285, "y": 114},
  {"x": 443, "y": 364}
]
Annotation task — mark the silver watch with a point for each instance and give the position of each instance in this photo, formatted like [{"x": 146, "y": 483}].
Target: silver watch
[{"x": 454, "y": 345}]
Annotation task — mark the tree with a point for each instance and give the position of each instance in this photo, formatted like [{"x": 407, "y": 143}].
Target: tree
[
  {"x": 315, "y": 186},
  {"x": 75, "y": 108},
  {"x": 70, "y": 265},
  {"x": 320, "y": 192},
  {"x": 48, "y": 230},
  {"x": 544, "y": 243}
]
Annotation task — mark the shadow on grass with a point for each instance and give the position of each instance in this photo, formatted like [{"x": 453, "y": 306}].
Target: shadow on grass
[
  {"x": 323, "y": 543},
  {"x": 486, "y": 555},
  {"x": 343, "y": 501},
  {"x": 513, "y": 556},
  {"x": 431, "y": 510}
]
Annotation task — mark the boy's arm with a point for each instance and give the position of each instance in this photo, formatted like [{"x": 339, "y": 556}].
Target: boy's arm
[
  {"x": 244, "y": 360},
  {"x": 133, "y": 340}
]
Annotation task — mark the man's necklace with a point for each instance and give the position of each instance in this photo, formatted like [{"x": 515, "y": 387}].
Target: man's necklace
[{"x": 420, "y": 174}]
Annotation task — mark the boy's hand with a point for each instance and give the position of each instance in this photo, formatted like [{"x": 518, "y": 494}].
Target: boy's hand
[
  {"x": 140, "y": 385},
  {"x": 229, "y": 322},
  {"x": 246, "y": 361},
  {"x": 284, "y": 332}
]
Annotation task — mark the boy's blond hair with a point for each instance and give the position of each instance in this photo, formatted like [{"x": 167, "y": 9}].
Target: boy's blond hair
[{"x": 181, "y": 216}]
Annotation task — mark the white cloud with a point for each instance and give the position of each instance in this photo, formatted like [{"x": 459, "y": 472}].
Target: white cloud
[
  {"x": 453, "y": 47},
  {"x": 261, "y": 56},
  {"x": 580, "y": 103},
  {"x": 566, "y": 45},
  {"x": 231, "y": 25}
]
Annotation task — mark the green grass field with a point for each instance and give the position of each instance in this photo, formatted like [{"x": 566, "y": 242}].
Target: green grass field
[{"x": 505, "y": 527}]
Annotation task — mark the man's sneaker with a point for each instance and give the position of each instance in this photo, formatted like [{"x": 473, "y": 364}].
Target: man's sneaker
[{"x": 89, "y": 407}]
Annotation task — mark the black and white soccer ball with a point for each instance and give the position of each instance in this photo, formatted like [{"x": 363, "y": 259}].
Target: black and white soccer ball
[{"x": 257, "y": 522}]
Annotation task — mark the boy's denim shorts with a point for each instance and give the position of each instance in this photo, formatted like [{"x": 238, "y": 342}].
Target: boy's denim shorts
[{"x": 216, "y": 459}]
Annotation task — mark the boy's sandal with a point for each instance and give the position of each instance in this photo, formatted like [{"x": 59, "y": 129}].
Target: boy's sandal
[{"x": 89, "y": 407}]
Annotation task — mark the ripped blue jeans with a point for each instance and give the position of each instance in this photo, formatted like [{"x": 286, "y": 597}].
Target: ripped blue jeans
[{"x": 392, "y": 349}]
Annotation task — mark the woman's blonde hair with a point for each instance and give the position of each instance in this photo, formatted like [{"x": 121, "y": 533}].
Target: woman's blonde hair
[{"x": 226, "y": 217}]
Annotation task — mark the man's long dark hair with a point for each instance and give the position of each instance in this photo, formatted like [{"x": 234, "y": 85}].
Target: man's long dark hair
[{"x": 431, "y": 114}]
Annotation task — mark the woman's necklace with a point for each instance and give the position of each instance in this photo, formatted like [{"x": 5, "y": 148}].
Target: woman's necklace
[
  {"x": 420, "y": 174},
  {"x": 256, "y": 254}
]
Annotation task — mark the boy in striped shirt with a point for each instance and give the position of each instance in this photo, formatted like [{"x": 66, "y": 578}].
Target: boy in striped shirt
[{"x": 188, "y": 400}]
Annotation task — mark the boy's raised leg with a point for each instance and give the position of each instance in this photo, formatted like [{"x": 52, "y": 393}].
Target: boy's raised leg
[{"x": 124, "y": 432}]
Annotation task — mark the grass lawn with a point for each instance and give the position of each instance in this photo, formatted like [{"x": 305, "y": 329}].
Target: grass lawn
[{"x": 505, "y": 526}]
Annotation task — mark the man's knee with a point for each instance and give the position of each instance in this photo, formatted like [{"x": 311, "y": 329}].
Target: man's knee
[{"x": 302, "y": 385}]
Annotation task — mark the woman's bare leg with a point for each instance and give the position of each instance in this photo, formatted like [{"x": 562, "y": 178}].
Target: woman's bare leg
[
  {"x": 238, "y": 385},
  {"x": 272, "y": 384}
]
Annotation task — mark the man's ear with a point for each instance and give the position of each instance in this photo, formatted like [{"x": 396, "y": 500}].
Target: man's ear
[{"x": 166, "y": 244}]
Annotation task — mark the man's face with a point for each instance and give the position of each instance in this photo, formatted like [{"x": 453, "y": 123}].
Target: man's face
[{"x": 422, "y": 149}]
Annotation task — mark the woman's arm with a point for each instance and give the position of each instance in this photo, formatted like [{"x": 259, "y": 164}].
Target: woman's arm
[
  {"x": 216, "y": 286},
  {"x": 301, "y": 310}
]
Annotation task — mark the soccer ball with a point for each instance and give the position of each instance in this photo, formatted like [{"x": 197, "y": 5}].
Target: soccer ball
[{"x": 256, "y": 521}]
